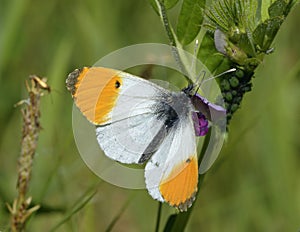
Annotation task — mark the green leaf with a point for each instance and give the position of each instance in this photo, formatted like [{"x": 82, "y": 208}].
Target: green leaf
[
  {"x": 250, "y": 15},
  {"x": 277, "y": 8},
  {"x": 189, "y": 20},
  {"x": 210, "y": 57},
  {"x": 265, "y": 33},
  {"x": 168, "y": 4},
  {"x": 233, "y": 16},
  {"x": 273, "y": 26},
  {"x": 246, "y": 44},
  {"x": 177, "y": 222},
  {"x": 289, "y": 6},
  {"x": 259, "y": 34},
  {"x": 264, "y": 9}
]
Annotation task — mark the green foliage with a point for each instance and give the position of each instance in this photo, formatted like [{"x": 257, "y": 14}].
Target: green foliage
[
  {"x": 167, "y": 3},
  {"x": 265, "y": 32},
  {"x": 233, "y": 16},
  {"x": 80, "y": 204},
  {"x": 238, "y": 38},
  {"x": 210, "y": 57},
  {"x": 253, "y": 187},
  {"x": 189, "y": 20},
  {"x": 243, "y": 33},
  {"x": 246, "y": 25}
]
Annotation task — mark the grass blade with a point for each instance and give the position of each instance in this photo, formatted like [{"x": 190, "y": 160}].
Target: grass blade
[
  {"x": 118, "y": 216},
  {"x": 83, "y": 200}
]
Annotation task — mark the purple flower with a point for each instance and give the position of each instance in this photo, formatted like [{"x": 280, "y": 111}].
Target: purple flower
[
  {"x": 205, "y": 111},
  {"x": 200, "y": 124}
]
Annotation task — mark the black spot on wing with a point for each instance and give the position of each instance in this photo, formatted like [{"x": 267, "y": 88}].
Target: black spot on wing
[{"x": 117, "y": 84}]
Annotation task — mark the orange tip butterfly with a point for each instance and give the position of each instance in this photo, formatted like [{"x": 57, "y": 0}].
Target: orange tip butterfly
[{"x": 138, "y": 121}]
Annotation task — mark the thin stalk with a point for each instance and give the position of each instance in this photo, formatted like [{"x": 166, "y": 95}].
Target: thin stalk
[
  {"x": 165, "y": 20},
  {"x": 118, "y": 216},
  {"x": 158, "y": 217},
  {"x": 82, "y": 202},
  {"x": 20, "y": 210}
]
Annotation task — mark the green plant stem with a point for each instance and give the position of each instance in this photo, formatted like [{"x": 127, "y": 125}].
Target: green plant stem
[
  {"x": 164, "y": 17},
  {"x": 158, "y": 217},
  {"x": 166, "y": 23}
]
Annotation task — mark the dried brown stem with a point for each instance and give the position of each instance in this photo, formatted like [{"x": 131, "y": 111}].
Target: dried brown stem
[{"x": 20, "y": 210}]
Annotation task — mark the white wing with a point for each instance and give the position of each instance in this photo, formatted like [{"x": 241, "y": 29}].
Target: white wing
[
  {"x": 128, "y": 140},
  {"x": 172, "y": 172},
  {"x": 122, "y": 106},
  {"x": 131, "y": 136}
]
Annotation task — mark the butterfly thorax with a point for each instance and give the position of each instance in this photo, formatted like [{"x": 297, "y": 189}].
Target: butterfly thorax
[{"x": 172, "y": 108}]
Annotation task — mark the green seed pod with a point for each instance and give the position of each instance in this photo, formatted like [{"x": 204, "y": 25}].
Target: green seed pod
[
  {"x": 234, "y": 82},
  {"x": 225, "y": 84},
  {"x": 234, "y": 107},
  {"x": 237, "y": 100},
  {"x": 228, "y": 96},
  {"x": 239, "y": 73},
  {"x": 227, "y": 105}
]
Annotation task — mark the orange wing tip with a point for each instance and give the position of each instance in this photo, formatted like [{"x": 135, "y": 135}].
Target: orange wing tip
[
  {"x": 183, "y": 206},
  {"x": 180, "y": 187},
  {"x": 95, "y": 91},
  {"x": 187, "y": 204},
  {"x": 74, "y": 79}
]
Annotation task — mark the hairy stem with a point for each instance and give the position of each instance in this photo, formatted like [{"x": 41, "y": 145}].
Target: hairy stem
[
  {"x": 20, "y": 210},
  {"x": 165, "y": 20}
]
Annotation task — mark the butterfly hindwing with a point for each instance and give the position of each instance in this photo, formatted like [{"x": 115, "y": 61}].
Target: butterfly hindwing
[{"x": 172, "y": 172}]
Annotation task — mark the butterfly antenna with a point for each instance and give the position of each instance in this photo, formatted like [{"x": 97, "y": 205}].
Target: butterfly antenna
[
  {"x": 213, "y": 77},
  {"x": 198, "y": 78},
  {"x": 221, "y": 74}
]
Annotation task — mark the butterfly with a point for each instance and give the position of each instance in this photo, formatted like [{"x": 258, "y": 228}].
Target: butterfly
[{"x": 138, "y": 121}]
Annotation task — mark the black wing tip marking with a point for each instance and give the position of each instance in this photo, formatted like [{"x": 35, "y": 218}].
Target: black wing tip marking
[
  {"x": 73, "y": 79},
  {"x": 183, "y": 207}
]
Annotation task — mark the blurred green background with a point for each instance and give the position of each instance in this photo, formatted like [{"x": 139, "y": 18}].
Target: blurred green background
[{"x": 253, "y": 186}]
